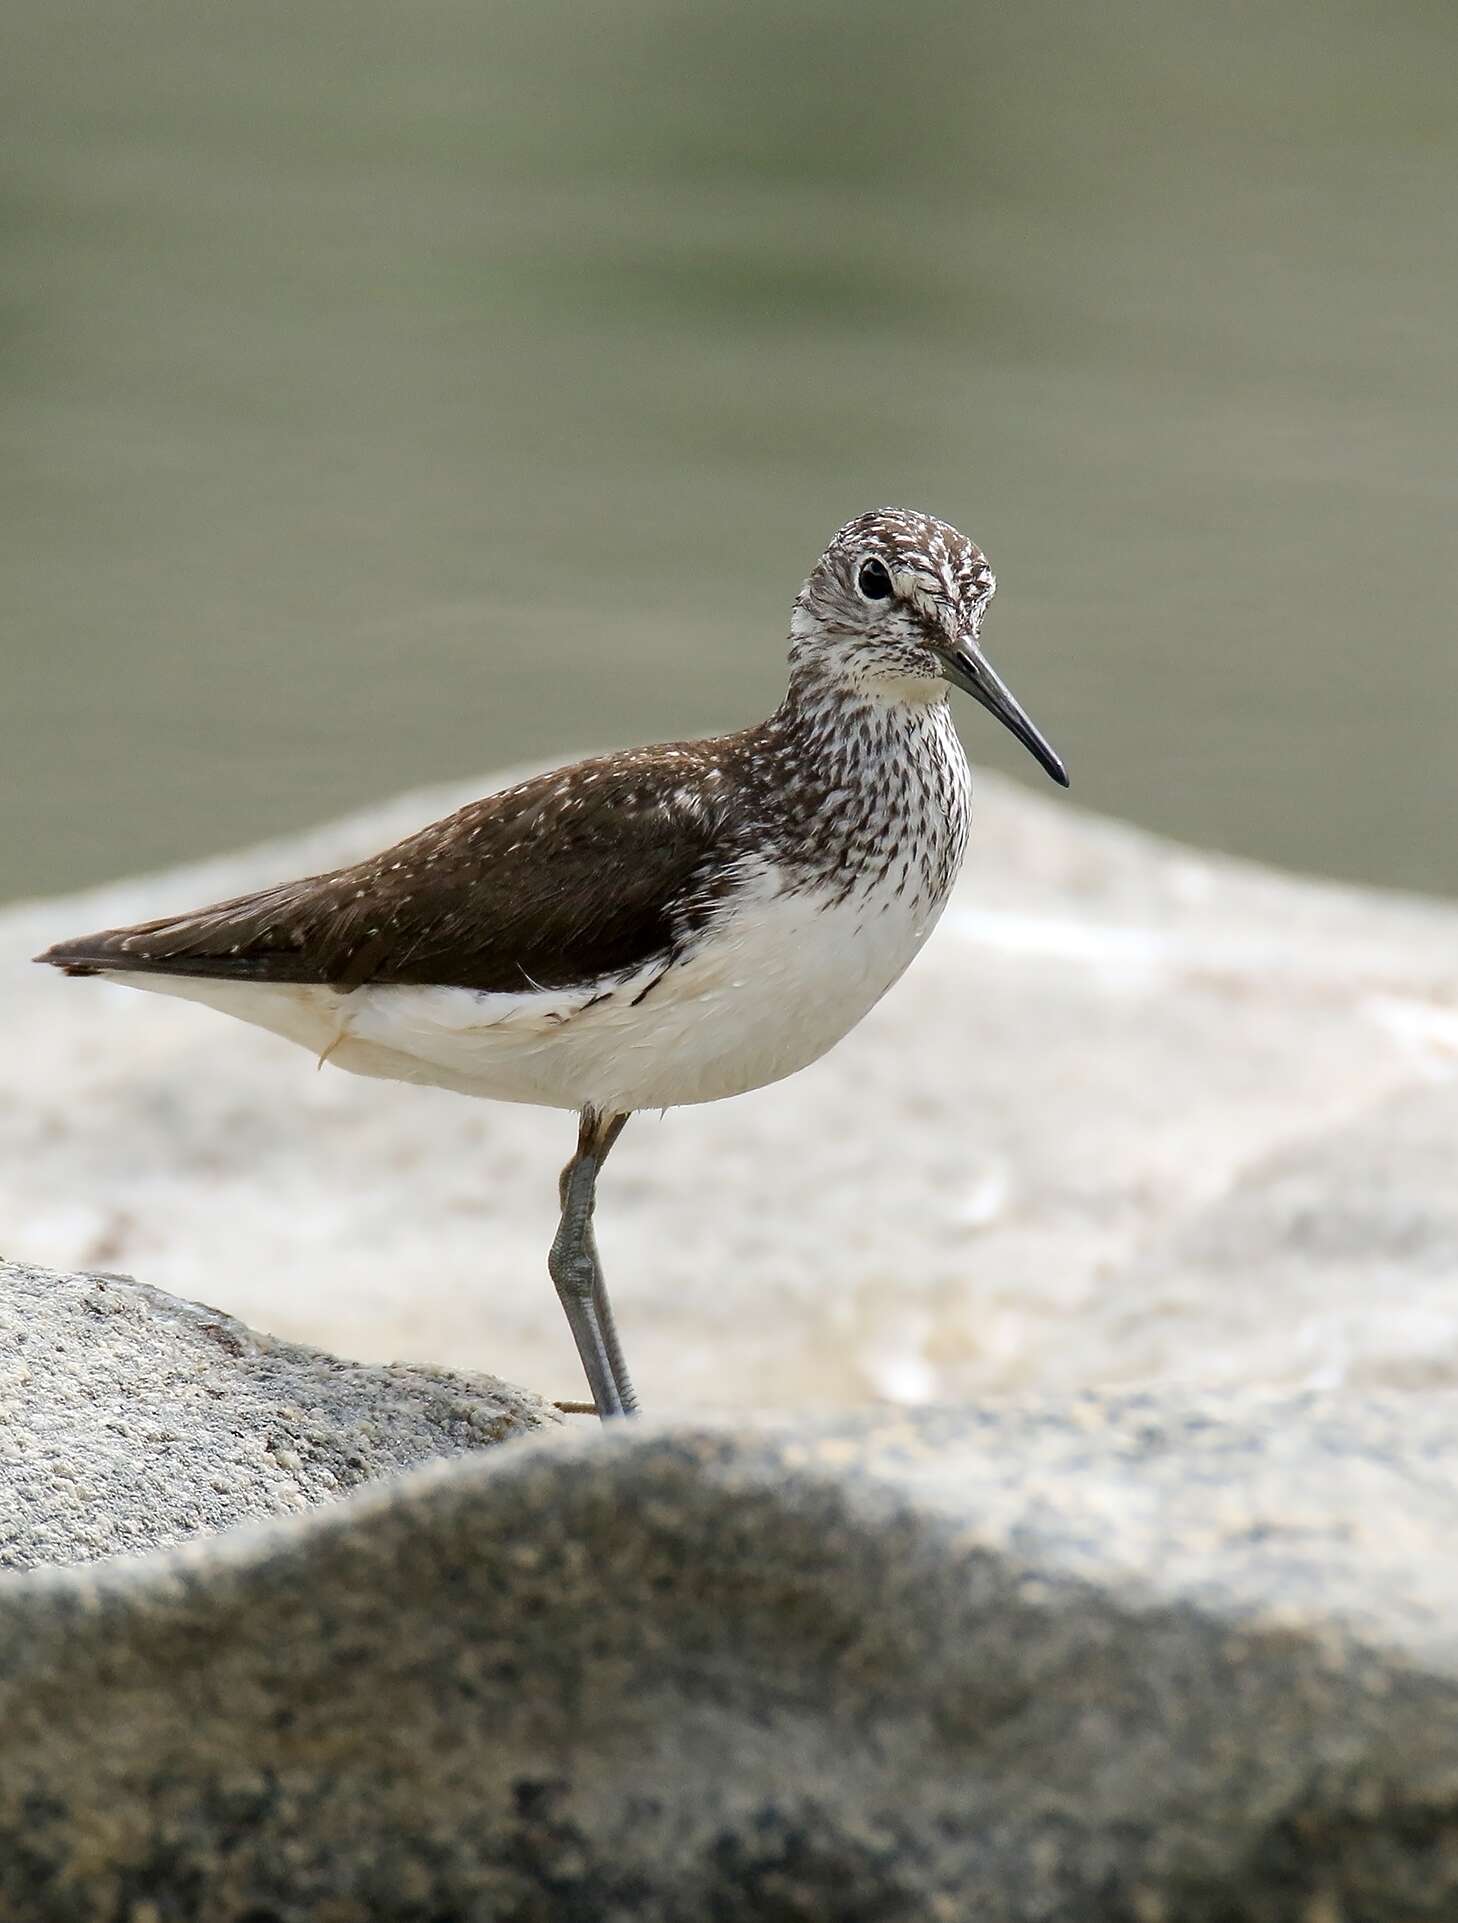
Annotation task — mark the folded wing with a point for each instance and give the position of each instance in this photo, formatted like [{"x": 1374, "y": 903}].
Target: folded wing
[{"x": 584, "y": 873}]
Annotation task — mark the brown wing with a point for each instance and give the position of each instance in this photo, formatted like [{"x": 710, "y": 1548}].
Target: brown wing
[{"x": 585, "y": 872}]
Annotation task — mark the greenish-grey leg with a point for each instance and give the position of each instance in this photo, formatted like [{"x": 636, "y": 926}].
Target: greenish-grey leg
[{"x": 576, "y": 1269}]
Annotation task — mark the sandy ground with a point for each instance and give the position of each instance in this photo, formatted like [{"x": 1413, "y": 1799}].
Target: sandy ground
[{"x": 1137, "y": 1113}]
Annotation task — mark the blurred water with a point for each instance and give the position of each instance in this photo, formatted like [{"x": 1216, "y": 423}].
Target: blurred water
[{"x": 393, "y": 392}]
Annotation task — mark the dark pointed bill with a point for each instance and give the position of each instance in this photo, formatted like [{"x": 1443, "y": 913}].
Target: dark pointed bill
[{"x": 969, "y": 669}]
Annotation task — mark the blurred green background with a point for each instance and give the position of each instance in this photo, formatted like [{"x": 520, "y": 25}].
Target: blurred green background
[{"x": 394, "y": 392}]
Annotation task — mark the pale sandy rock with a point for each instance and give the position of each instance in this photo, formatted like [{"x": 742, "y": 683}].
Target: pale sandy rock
[
  {"x": 1343, "y": 1248},
  {"x": 1107, "y": 1037}
]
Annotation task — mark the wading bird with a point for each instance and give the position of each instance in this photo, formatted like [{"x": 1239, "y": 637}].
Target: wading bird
[{"x": 665, "y": 925}]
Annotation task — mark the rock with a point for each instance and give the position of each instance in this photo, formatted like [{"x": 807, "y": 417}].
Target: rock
[
  {"x": 130, "y": 1419},
  {"x": 1106, "y": 1038},
  {"x": 1107, "y": 1660},
  {"x": 1339, "y": 1252}
]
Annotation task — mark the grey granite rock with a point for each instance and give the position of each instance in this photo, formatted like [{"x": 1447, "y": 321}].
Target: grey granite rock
[
  {"x": 1138, "y": 1659},
  {"x": 130, "y": 1419}
]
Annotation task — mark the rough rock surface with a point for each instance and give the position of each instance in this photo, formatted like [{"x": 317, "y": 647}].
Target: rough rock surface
[
  {"x": 130, "y": 1419},
  {"x": 1102, "y": 1660},
  {"x": 1115, "y": 1070}
]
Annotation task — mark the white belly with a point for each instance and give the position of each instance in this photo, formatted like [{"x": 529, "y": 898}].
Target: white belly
[{"x": 777, "y": 982}]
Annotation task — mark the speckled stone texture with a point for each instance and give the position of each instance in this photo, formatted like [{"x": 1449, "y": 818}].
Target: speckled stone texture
[
  {"x": 1138, "y": 1658},
  {"x": 130, "y": 1419}
]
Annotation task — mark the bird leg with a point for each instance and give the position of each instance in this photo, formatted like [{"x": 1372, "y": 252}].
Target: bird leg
[{"x": 576, "y": 1270}]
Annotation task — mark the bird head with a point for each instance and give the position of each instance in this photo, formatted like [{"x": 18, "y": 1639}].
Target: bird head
[{"x": 894, "y": 608}]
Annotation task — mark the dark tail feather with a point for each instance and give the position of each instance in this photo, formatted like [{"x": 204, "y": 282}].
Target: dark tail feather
[
  {"x": 86, "y": 954},
  {"x": 108, "y": 952},
  {"x": 69, "y": 961},
  {"x": 238, "y": 939},
  {"x": 104, "y": 955}
]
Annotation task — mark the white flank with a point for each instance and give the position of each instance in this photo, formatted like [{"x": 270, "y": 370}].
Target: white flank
[{"x": 778, "y": 979}]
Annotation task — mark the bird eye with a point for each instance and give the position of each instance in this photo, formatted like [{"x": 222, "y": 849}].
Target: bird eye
[{"x": 873, "y": 580}]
